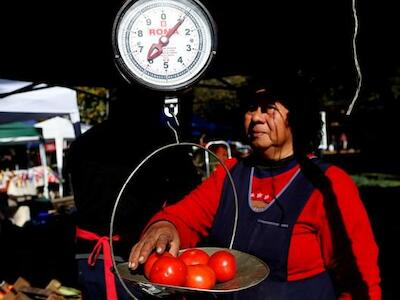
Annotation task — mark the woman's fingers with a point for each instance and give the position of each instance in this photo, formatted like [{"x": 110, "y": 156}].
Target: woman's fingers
[
  {"x": 162, "y": 243},
  {"x": 146, "y": 249},
  {"x": 160, "y": 235},
  {"x": 134, "y": 256},
  {"x": 141, "y": 250},
  {"x": 174, "y": 247}
]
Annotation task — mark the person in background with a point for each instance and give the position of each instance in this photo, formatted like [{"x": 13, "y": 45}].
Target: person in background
[
  {"x": 220, "y": 151},
  {"x": 7, "y": 160},
  {"x": 300, "y": 215},
  {"x": 344, "y": 142},
  {"x": 99, "y": 162},
  {"x": 199, "y": 155}
]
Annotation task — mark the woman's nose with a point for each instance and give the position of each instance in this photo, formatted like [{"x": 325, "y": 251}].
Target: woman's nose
[{"x": 258, "y": 115}]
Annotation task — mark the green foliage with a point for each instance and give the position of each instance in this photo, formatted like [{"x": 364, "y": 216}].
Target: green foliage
[
  {"x": 214, "y": 99},
  {"x": 92, "y": 103},
  {"x": 376, "y": 179}
]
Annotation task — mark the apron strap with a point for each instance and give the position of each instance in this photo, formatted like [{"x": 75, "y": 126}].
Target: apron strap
[{"x": 102, "y": 244}]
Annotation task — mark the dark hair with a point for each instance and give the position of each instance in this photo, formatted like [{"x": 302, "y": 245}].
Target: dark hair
[{"x": 299, "y": 97}]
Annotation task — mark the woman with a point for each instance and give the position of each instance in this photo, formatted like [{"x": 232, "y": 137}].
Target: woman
[{"x": 303, "y": 217}]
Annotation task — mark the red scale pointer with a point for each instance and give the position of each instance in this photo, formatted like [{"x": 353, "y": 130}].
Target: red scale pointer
[{"x": 156, "y": 49}]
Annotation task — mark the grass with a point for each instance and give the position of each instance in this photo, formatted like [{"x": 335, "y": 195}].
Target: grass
[{"x": 376, "y": 180}]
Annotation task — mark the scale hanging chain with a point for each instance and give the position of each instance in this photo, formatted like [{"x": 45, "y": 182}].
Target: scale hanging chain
[{"x": 171, "y": 109}]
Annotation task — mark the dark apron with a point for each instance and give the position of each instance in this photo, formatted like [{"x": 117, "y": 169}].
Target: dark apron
[{"x": 267, "y": 235}]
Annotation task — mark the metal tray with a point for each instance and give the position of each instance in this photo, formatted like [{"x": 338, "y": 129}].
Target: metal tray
[{"x": 250, "y": 271}]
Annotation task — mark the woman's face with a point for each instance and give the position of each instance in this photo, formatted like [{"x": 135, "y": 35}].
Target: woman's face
[{"x": 268, "y": 130}]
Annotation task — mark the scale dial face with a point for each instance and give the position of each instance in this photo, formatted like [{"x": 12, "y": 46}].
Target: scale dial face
[{"x": 165, "y": 45}]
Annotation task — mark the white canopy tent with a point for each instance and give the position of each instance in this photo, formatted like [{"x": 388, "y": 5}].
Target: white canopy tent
[
  {"x": 57, "y": 129},
  {"x": 21, "y": 100}
]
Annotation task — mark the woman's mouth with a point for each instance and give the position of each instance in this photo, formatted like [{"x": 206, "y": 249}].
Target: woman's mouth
[{"x": 256, "y": 133}]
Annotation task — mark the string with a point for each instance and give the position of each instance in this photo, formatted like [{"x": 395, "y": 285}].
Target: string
[{"x": 356, "y": 63}]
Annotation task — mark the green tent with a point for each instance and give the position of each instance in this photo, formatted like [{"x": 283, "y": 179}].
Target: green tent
[{"x": 18, "y": 132}]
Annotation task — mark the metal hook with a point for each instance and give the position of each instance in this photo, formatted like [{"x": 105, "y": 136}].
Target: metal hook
[{"x": 171, "y": 109}]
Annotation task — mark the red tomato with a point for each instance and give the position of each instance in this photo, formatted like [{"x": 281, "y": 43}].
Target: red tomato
[
  {"x": 224, "y": 265},
  {"x": 168, "y": 270},
  {"x": 153, "y": 257},
  {"x": 200, "y": 277},
  {"x": 194, "y": 257}
]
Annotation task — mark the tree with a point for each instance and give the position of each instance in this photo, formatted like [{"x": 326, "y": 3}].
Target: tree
[{"x": 92, "y": 103}]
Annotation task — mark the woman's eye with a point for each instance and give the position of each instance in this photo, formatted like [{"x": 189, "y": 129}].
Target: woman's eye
[
  {"x": 270, "y": 108},
  {"x": 252, "y": 108}
]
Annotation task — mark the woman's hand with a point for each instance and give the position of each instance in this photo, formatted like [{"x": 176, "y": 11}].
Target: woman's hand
[{"x": 161, "y": 235}]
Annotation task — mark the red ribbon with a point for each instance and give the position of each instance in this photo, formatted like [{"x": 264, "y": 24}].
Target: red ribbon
[{"x": 102, "y": 244}]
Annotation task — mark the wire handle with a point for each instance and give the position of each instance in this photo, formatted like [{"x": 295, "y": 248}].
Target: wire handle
[{"x": 155, "y": 152}]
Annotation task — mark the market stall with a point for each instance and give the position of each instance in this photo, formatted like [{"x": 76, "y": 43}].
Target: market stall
[
  {"x": 39, "y": 102},
  {"x": 21, "y": 133}
]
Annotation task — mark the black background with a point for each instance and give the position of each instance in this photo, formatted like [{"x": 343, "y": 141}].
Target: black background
[{"x": 69, "y": 43}]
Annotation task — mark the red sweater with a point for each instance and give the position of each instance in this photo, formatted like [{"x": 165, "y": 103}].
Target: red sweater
[{"x": 311, "y": 248}]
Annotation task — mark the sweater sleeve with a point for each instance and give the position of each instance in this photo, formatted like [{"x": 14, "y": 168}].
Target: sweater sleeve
[
  {"x": 193, "y": 216},
  {"x": 354, "y": 259}
]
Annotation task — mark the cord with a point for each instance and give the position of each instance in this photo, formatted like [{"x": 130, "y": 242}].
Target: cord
[{"x": 356, "y": 63}]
